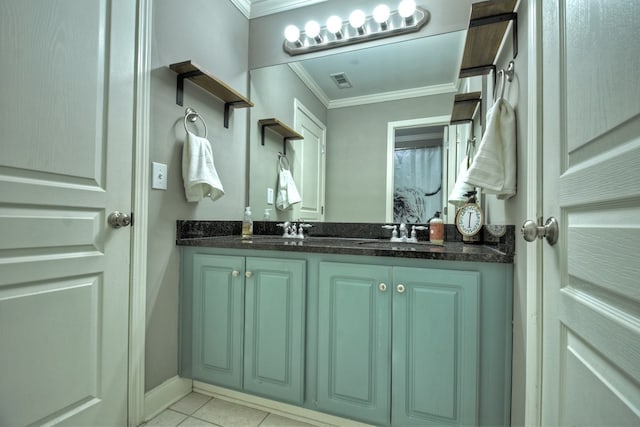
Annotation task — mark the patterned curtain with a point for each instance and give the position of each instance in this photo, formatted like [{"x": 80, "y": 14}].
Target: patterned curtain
[{"x": 418, "y": 184}]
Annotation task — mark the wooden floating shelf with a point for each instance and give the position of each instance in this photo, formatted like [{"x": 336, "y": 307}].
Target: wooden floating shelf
[
  {"x": 464, "y": 107},
  {"x": 487, "y": 26},
  {"x": 277, "y": 126},
  {"x": 213, "y": 85}
]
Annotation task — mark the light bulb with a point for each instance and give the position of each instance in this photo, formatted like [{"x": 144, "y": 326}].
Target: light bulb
[
  {"x": 357, "y": 19},
  {"x": 312, "y": 29},
  {"x": 334, "y": 24},
  {"x": 292, "y": 33},
  {"x": 406, "y": 8},
  {"x": 381, "y": 13}
]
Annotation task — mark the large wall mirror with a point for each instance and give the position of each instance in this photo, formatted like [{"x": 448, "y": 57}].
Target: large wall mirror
[{"x": 363, "y": 114}]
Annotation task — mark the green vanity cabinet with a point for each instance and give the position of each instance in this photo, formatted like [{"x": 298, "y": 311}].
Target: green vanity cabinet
[
  {"x": 248, "y": 319},
  {"x": 398, "y": 345}
]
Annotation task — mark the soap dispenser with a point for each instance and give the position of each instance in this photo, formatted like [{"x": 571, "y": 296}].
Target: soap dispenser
[
  {"x": 247, "y": 223},
  {"x": 436, "y": 229}
]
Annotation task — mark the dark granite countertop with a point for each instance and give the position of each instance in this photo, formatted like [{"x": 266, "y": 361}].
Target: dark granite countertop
[{"x": 361, "y": 239}]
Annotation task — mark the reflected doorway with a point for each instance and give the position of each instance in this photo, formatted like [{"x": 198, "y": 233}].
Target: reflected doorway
[{"x": 415, "y": 169}]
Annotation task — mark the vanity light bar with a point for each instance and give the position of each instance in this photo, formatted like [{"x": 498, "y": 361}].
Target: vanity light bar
[{"x": 347, "y": 34}]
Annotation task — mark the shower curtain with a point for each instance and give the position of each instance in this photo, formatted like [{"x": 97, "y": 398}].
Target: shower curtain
[{"x": 417, "y": 184}]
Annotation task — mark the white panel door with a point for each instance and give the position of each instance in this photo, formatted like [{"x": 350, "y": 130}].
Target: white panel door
[
  {"x": 309, "y": 165},
  {"x": 66, "y": 123},
  {"x": 591, "y": 183}
]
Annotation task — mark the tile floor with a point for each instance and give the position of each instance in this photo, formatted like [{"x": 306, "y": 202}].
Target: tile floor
[{"x": 198, "y": 410}]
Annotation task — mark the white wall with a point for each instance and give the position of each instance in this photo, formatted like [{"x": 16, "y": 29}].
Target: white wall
[{"x": 213, "y": 34}]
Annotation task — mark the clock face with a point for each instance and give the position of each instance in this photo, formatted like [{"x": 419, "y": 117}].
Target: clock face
[{"x": 469, "y": 219}]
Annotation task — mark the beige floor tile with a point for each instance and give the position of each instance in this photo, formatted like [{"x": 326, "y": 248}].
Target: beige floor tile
[
  {"x": 167, "y": 418},
  {"x": 194, "y": 422},
  {"x": 229, "y": 414},
  {"x": 274, "y": 420},
  {"x": 190, "y": 403}
]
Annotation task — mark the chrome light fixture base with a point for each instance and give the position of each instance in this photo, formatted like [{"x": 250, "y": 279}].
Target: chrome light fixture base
[{"x": 395, "y": 25}]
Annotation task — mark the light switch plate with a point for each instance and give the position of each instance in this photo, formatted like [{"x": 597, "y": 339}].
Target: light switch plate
[
  {"x": 269, "y": 196},
  {"x": 159, "y": 176}
]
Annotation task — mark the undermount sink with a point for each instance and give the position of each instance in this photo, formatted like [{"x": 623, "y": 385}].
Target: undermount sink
[{"x": 387, "y": 244}]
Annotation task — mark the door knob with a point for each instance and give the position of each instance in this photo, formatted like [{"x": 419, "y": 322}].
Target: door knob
[
  {"x": 382, "y": 287},
  {"x": 119, "y": 219},
  {"x": 248, "y": 274},
  {"x": 530, "y": 231},
  {"x": 400, "y": 288}
]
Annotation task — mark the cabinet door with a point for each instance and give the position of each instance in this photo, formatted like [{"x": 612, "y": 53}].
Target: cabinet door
[
  {"x": 435, "y": 347},
  {"x": 274, "y": 328},
  {"x": 218, "y": 295},
  {"x": 354, "y": 341}
]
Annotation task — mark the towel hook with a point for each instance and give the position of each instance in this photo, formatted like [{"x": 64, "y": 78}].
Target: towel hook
[
  {"x": 192, "y": 115},
  {"x": 506, "y": 75}
]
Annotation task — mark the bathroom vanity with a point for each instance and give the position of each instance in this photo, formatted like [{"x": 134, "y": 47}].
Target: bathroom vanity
[{"x": 386, "y": 334}]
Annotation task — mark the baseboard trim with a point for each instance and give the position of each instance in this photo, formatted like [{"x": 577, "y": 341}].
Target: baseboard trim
[
  {"x": 286, "y": 410},
  {"x": 165, "y": 395}
]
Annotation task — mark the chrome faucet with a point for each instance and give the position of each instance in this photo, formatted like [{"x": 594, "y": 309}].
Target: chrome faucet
[
  {"x": 293, "y": 230},
  {"x": 403, "y": 235}
]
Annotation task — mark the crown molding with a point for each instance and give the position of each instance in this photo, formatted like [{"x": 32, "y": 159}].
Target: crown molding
[
  {"x": 260, "y": 8},
  {"x": 310, "y": 83},
  {"x": 394, "y": 95},
  {"x": 243, "y": 6}
]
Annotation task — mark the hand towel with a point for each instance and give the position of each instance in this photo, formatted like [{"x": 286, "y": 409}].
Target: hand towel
[
  {"x": 198, "y": 170},
  {"x": 460, "y": 188},
  {"x": 287, "y": 191},
  {"x": 494, "y": 165}
]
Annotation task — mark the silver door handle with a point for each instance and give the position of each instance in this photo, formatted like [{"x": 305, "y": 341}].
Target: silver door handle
[
  {"x": 532, "y": 231},
  {"x": 248, "y": 274},
  {"x": 400, "y": 288},
  {"x": 382, "y": 287},
  {"x": 119, "y": 219}
]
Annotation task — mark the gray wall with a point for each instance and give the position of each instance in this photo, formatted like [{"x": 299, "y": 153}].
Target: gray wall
[
  {"x": 273, "y": 90},
  {"x": 213, "y": 34},
  {"x": 513, "y": 211},
  {"x": 357, "y": 154}
]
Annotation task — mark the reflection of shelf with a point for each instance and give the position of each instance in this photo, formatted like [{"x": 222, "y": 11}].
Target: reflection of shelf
[
  {"x": 487, "y": 25},
  {"x": 280, "y": 128},
  {"x": 213, "y": 85},
  {"x": 464, "y": 107}
]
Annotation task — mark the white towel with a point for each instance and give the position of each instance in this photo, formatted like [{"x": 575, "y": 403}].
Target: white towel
[
  {"x": 198, "y": 171},
  {"x": 494, "y": 165},
  {"x": 460, "y": 188},
  {"x": 287, "y": 191}
]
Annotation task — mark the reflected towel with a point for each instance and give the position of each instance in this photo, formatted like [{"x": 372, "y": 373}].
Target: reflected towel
[
  {"x": 460, "y": 188},
  {"x": 494, "y": 165},
  {"x": 287, "y": 191},
  {"x": 198, "y": 171}
]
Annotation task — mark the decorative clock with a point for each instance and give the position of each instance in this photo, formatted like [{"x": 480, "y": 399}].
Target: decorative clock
[{"x": 469, "y": 220}]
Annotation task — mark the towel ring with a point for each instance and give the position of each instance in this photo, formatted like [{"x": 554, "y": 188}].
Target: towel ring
[
  {"x": 192, "y": 115},
  {"x": 283, "y": 162}
]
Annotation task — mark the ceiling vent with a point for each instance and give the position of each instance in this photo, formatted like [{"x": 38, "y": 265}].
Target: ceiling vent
[{"x": 341, "y": 80}]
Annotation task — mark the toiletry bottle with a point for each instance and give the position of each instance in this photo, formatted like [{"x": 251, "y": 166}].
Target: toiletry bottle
[
  {"x": 436, "y": 229},
  {"x": 267, "y": 214},
  {"x": 247, "y": 224}
]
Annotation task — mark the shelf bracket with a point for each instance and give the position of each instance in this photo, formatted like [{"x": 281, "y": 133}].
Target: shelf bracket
[
  {"x": 513, "y": 16},
  {"x": 227, "y": 111},
  {"x": 180, "y": 85},
  {"x": 284, "y": 139}
]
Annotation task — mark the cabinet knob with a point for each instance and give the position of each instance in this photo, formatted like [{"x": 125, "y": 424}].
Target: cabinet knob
[
  {"x": 400, "y": 288},
  {"x": 235, "y": 273},
  {"x": 382, "y": 287},
  {"x": 248, "y": 274}
]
